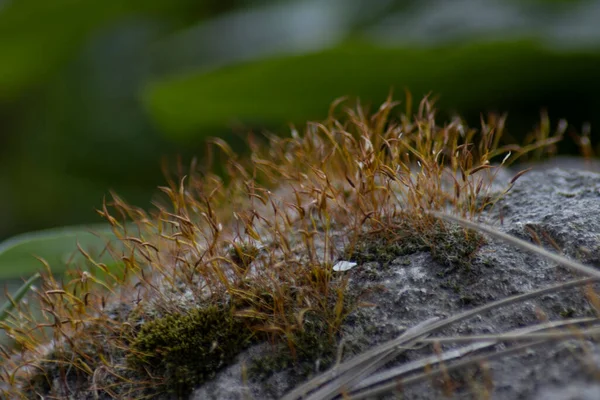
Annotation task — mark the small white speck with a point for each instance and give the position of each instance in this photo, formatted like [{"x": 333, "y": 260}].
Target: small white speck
[{"x": 342, "y": 266}]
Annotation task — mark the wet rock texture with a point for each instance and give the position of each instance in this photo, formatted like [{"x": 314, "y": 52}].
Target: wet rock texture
[{"x": 561, "y": 207}]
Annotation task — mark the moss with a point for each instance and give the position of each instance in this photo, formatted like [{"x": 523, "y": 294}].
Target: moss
[
  {"x": 243, "y": 254},
  {"x": 66, "y": 371},
  {"x": 383, "y": 248},
  {"x": 310, "y": 350},
  {"x": 313, "y": 351},
  {"x": 287, "y": 289},
  {"x": 188, "y": 349},
  {"x": 455, "y": 247},
  {"x": 69, "y": 367},
  {"x": 450, "y": 246},
  {"x": 567, "y": 312},
  {"x": 39, "y": 382}
]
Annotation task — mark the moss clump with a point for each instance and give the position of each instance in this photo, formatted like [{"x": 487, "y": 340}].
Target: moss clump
[
  {"x": 314, "y": 350},
  {"x": 242, "y": 255},
  {"x": 264, "y": 248},
  {"x": 188, "y": 349},
  {"x": 450, "y": 246},
  {"x": 67, "y": 369},
  {"x": 310, "y": 349}
]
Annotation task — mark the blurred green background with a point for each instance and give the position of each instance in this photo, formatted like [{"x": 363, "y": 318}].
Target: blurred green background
[{"x": 93, "y": 94}]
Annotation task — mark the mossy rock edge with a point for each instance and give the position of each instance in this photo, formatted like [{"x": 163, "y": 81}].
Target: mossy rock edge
[{"x": 189, "y": 349}]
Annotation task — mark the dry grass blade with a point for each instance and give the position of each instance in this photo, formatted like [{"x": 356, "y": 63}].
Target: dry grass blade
[
  {"x": 392, "y": 387},
  {"x": 398, "y": 372},
  {"x": 355, "y": 364},
  {"x": 574, "y": 265},
  {"x": 383, "y": 353},
  {"x": 591, "y": 332},
  {"x": 366, "y": 367}
]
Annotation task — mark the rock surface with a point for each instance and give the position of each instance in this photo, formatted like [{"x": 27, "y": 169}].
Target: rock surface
[{"x": 563, "y": 207}]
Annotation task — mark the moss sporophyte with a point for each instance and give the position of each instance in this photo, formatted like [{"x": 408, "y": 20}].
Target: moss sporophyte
[{"x": 225, "y": 263}]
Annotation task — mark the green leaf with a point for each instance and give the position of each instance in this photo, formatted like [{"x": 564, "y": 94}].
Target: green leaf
[
  {"x": 275, "y": 91},
  {"x": 57, "y": 246},
  {"x": 11, "y": 303}
]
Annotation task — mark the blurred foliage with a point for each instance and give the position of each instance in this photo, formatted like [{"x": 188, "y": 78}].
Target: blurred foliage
[
  {"x": 70, "y": 126},
  {"x": 38, "y": 36},
  {"x": 470, "y": 78},
  {"x": 93, "y": 94},
  {"x": 58, "y": 247},
  {"x": 10, "y": 303}
]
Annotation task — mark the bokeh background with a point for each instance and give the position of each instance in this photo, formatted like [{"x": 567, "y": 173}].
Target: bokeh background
[{"x": 94, "y": 94}]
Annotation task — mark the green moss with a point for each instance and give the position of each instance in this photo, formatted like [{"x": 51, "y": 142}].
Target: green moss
[
  {"x": 449, "y": 245},
  {"x": 40, "y": 381},
  {"x": 313, "y": 351},
  {"x": 568, "y": 312},
  {"x": 67, "y": 370},
  {"x": 72, "y": 367},
  {"x": 188, "y": 349},
  {"x": 242, "y": 255},
  {"x": 455, "y": 247}
]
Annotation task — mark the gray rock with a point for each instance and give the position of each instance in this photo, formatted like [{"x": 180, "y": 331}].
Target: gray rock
[
  {"x": 571, "y": 392},
  {"x": 562, "y": 206}
]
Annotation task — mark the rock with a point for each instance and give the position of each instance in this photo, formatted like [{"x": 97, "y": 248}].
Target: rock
[
  {"x": 571, "y": 392},
  {"x": 561, "y": 207}
]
